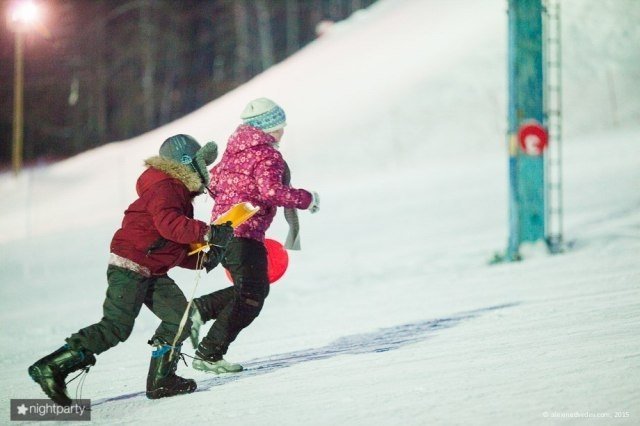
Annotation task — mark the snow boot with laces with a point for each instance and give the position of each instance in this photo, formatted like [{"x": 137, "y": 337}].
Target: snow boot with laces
[
  {"x": 210, "y": 360},
  {"x": 216, "y": 367},
  {"x": 162, "y": 381},
  {"x": 51, "y": 371}
]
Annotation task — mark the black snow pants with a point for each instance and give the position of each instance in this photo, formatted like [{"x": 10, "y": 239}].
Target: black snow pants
[{"x": 234, "y": 308}]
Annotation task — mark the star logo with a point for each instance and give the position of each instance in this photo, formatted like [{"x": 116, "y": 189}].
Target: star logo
[{"x": 22, "y": 409}]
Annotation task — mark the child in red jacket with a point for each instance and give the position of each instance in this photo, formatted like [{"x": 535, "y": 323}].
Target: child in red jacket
[{"x": 155, "y": 235}]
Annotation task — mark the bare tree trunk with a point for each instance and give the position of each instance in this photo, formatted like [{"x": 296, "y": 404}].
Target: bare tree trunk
[
  {"x": 218, "y": 69},
  {"x": 293, "y": 28},
  {"x": 77, "y": 124},
  {"x": 171, "y": 58},
  {"x": 242, "y": 40},
  {"x": 316, "y": 14},
  {"x": 335, "y": 10},
  {"x": 77, "y": 97},
  {"x": 264, "y": 32},
  {"x": 147, "y": 36},
  {"x": 100, "y": 85}
]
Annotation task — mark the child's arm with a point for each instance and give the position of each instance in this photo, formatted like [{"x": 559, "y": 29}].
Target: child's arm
[
  {"x": 168, "y": 211},
  {"x": 268, "y": 175}
]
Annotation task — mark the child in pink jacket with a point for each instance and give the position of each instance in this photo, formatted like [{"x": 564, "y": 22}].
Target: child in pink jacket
[{"x": 251, "y": 169}]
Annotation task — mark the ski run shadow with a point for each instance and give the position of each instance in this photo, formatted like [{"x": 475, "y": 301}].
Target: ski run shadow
[{"x": 382, "y": 340}]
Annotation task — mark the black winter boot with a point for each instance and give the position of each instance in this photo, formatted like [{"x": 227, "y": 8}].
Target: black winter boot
[
  {"x": 52, "y": 370},
  {"x": 162, "y": 380}
]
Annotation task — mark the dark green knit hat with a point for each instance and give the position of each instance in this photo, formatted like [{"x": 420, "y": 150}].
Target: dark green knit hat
[
  {"x": 186, "y": 150},
  {"x": 180, "y": 148}
]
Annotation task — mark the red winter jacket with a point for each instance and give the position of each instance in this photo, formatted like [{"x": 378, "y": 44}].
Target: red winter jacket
[
  {"x": 158, "y": 227},
  {"x": 251, "y": 169}
]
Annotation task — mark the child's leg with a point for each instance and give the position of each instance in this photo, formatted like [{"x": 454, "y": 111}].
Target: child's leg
[
  {"x": 210, "y": 305},
  {"x": 125, "y": 295},
  {"x": 246, "y": 259},
  {"x": 167, "y": 302}
]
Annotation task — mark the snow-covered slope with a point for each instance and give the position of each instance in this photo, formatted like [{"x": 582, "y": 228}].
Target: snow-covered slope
[{"x": 390, "y": 313}]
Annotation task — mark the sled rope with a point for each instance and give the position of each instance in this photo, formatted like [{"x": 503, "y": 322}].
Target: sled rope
[
  {"x": 195, "y": 358},
  {"x": 83, "y": 376},
  {"x": 80, "y": 386},
  {"x": 83, "y": 371},
  {"x": 189, "y": 356},
  {"x": 183, "y": 321}
]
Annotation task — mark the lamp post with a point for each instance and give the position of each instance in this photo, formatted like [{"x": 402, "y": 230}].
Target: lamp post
[
  {"x": 20, "y": 19},
  {"x": 18, "y": 105}
]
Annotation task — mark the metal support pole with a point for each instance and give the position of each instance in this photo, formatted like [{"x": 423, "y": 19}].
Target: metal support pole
[{"x": 18, "y": 104}]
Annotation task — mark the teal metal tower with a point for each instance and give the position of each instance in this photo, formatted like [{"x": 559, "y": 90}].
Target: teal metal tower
[{"x": 526, "y": 133}]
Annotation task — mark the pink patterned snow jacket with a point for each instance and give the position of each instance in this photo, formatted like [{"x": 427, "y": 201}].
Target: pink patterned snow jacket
[{"x": 251, "y": 169}]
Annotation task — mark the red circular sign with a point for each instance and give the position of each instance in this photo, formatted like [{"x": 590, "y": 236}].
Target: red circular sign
[
  {"x": 533, "y": 138},
  {"x": 277, "y": 260}
]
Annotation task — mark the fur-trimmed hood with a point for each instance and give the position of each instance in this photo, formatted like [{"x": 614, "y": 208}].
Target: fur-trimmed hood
[{"x": 185, "y": 174}]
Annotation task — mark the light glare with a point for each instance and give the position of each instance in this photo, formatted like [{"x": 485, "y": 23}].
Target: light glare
[{"x": 25, "y": 13}]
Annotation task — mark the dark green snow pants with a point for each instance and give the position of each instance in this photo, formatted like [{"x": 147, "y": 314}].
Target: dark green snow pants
[{"x": 126, "y": 294}]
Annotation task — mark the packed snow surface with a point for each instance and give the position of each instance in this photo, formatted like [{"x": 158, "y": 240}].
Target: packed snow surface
[{"x": 391, "y": 313}]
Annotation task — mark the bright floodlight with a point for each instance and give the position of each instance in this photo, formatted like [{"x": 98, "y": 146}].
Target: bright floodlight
[{"x": 25, "y": 13}]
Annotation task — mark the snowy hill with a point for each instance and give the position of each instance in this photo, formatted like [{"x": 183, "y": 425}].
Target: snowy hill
[{"x": 389, "y": 314}]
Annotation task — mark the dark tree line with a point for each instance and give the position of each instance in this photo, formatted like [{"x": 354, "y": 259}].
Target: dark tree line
[{"x": 114, "y": 69}]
